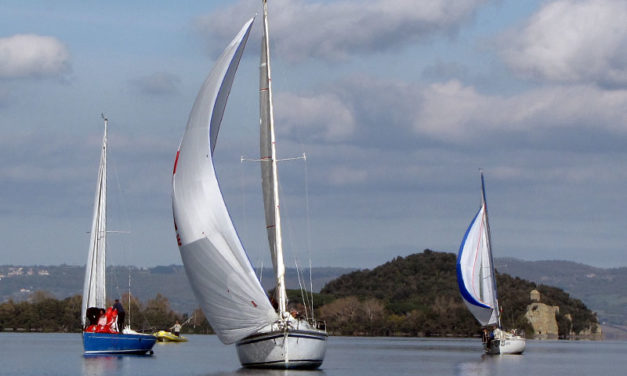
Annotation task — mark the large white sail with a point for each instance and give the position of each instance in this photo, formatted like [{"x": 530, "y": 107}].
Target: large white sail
[
  {"x": 94, "y": 290},
  {"x": 217, "y": 266},
  {"x": 269, "y": 171},
  {"x": 475, "y": 270}
]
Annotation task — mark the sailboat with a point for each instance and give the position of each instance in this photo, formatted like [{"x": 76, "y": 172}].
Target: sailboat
[
  {"x": 104, "y": 339},
  {"x": 220, "y": 273},
  {"x": 477, "y": 283}
]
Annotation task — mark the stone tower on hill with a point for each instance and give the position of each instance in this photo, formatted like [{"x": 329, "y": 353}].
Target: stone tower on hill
[{"x": 542, "y": 317}]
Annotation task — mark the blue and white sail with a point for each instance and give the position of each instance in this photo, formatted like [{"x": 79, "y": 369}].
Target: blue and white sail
[
  {"x": 218, "y": 268},
  {"x": 475, "y": 268}
]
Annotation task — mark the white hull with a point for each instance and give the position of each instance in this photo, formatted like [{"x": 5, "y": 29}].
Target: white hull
[
  {"x": 283, "y": 349},
  {"x": 507, "y": 345}
]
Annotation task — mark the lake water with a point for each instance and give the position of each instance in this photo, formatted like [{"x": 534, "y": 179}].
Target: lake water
[{"x": 31, "y": 354}]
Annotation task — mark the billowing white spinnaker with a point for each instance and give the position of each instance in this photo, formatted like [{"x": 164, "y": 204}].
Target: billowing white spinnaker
[{"x": 217, "y": 266}]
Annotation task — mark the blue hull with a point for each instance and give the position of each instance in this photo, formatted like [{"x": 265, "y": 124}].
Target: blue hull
[{"x": 117, "y": 343}]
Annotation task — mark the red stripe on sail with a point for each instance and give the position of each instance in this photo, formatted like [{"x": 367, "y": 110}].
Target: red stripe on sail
[{"x": 176, "y": 161}]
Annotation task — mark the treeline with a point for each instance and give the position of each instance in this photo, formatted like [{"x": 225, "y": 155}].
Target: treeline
[
  {"x": 412, "y": 296},
  {"x": 43, "y": 313},
  {"x": 418, "y": 296}
]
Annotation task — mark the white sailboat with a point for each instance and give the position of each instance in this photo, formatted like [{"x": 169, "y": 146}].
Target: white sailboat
[
  {"x": 477, "y": 283},
  {"x": 99, "y": 339},
  {"x": 218, "y": 268}
]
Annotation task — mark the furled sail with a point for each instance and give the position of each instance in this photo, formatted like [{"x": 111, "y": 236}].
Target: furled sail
[
  {"x": 269, "y": 173},
  {"x": 216, "y": 264},
  {"x": 94, "y": 291},
  {"x": 475, "y": 270}
]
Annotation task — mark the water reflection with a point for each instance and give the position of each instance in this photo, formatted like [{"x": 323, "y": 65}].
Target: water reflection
[
  {"x": 488, "y": 365},
  {"x": 269, "y": 372},
  {"x": 101, "y": 365}
]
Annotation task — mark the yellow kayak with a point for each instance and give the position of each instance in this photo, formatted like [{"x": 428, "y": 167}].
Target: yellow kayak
[{"x": 164, "y": 336}]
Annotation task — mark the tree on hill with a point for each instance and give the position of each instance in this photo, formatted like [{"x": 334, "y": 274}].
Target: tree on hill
[{"x": 419, "y": 295}]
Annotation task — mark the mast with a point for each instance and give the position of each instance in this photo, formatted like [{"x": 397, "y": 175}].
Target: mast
[
  {"x": 492, "y": 272},
  {"x": 268, "y": 144}
]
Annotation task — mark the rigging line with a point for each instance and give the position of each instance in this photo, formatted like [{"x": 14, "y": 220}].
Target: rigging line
[
  {"x": 302, "y": 290},
  {"x": 308, "y": 232},
  {"x": 245, "y": 221},
  {"x": 122, "y": 208},
  {"x": 126, "y": 246}
]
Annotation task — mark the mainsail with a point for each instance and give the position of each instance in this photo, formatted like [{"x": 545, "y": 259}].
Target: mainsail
[
  {"x": 269, "y": 173},
  {"x": 217, "y": 266},
  {"x": 475, "y": 268},
  {"x": 94, "y": 292}
]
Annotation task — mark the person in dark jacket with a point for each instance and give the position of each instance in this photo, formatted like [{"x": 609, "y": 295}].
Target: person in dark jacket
[{"x": 118, "y": 306}]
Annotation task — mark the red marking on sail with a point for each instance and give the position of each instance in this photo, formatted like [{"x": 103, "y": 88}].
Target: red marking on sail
[
  {"x": 178, "y": 240},
  {"x": 176, "y": 161},
  {"x": 254, "y": 304},
  {"x": 270, "y": 226}
]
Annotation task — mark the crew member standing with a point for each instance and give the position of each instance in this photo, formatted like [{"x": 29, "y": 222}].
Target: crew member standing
[
  {"x": 177, "y": 328},
  {"x": 118, "y": 306}
]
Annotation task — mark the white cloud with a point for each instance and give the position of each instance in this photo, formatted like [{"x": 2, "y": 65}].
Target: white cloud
[
  {"x": 454, "y": 112},
  {"x": 30, "y": 55},
  {"x": 333, "y": 30},
  {"x": 323, "y": 116},
  {"x": 385, "y": 113},
  {"x": 573, "y": 41}
]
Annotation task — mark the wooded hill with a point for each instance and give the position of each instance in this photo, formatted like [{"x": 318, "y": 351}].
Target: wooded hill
[
  {"x": 418, "y": 295},
  {"x": 415, "y": 295},
  {"x": 602, "y": 289}
]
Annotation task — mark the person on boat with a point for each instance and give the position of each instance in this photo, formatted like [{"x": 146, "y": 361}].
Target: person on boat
[
  {"x": 118, "y": 307},
  {"x": 485, "y": 335},
  {"x": 102, "y": 321},
  {"x": 111, "y": 317},
  {"x": 490, "y": 335},
  {"x": 177, "y": 328},
  {"x": 295, "y": 314}
]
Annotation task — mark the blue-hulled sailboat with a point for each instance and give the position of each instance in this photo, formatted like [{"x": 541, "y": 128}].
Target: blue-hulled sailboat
[{"x": 104, "y": 337}]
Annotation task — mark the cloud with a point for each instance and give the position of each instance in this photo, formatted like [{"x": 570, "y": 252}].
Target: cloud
[
  {"x": 454, "y": 112},
  {"x": 32, "y": 56},
  {"x": 157, "y": 84},
  {"x": 572, "y": 41},
  {"x": 323, "y": 117},
  {"x": 335, "y": 30},
  {"x": 387, "y": 112}
]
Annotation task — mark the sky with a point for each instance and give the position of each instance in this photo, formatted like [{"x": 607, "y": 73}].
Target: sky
[{"x": 396, "y": 103}]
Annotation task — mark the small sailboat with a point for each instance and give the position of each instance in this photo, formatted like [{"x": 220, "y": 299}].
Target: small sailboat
[
  {"x": 104, "y": 337},
  {"x": 477, "y": 283},
  {"x": 218, "y": 268}
]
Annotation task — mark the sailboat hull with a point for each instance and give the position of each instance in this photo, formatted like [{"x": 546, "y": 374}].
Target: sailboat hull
[
  {"x": 291, "y": 349},
  {"x": 118, "y": 343},
  {"x": 510, "y": 345}
]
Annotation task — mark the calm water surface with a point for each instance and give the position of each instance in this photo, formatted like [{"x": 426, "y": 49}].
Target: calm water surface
[{"x": 61, "y": 354}]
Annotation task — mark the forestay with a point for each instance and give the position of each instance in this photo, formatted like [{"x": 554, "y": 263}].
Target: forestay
[
  {"x": 94, "y": 290},
  {"x": 475, "y": 271},
  {"x": 217, "y": 266}
]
